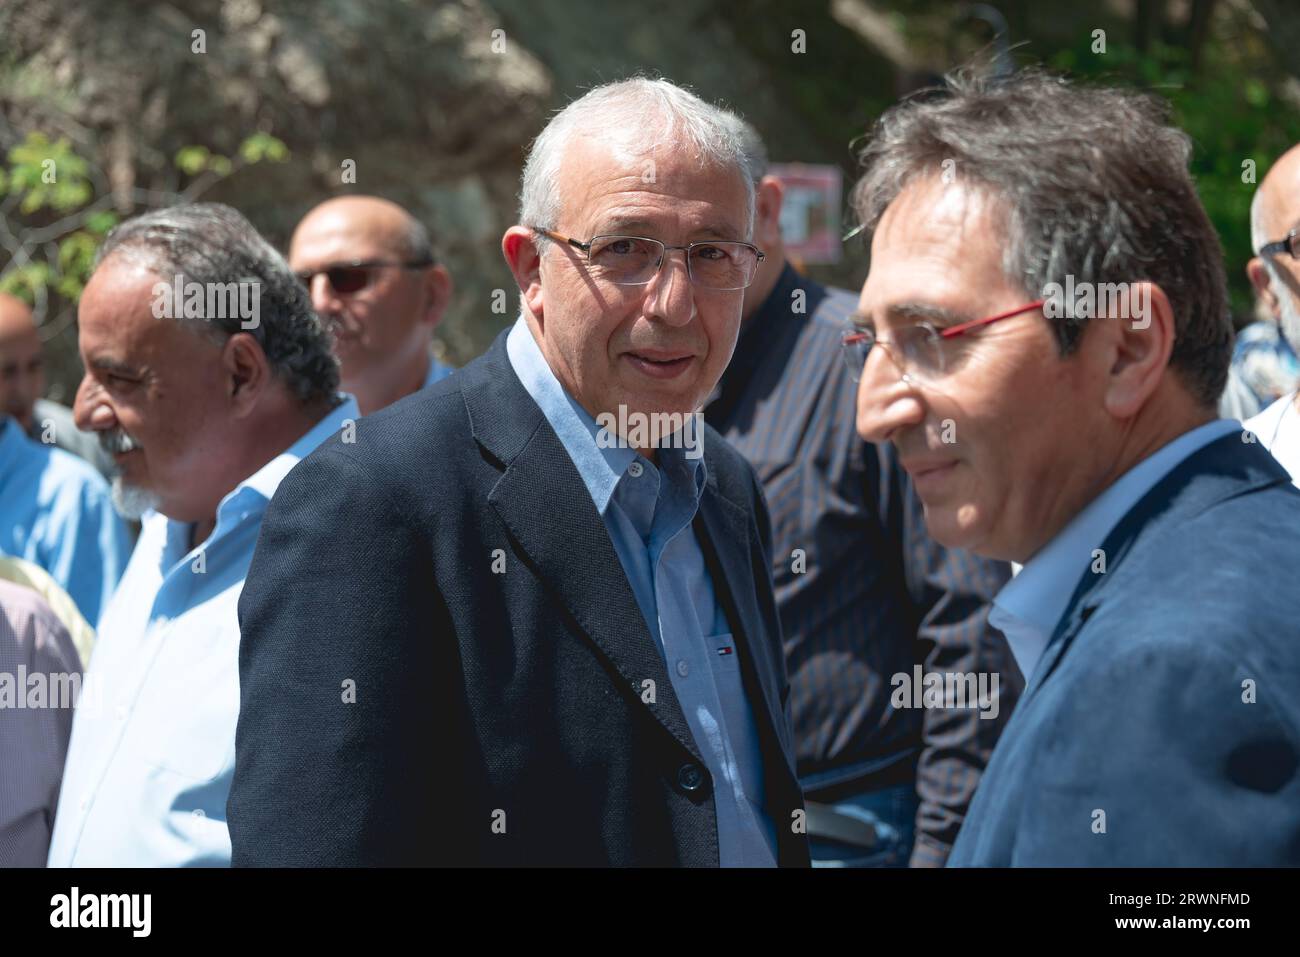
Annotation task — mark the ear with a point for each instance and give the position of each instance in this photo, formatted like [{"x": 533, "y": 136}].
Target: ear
[
  {"x": 519, "y": 245},
  {"x": 247, "y": 372},
  {"x": 1138, "y": 345},
  {"x": 1259, "y": 277},
  {"x": 769, "y": 196},
  {"x": 438, "y": 289}
]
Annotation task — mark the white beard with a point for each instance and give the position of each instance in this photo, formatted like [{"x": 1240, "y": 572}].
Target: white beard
[
  {"x": 1289, "y": 320},
  {"x": 131, "y": 501}
]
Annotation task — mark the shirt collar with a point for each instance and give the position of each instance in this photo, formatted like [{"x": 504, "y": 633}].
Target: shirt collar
[
  {"x": 267, "y": 479},
  {"x": 11, "y": 438},
  {"x": 1036, "y": 598},
  {"x": 771, "y": 319},
  {"x": 7, "y": 438},
  {"x": 600, "y": 468}
]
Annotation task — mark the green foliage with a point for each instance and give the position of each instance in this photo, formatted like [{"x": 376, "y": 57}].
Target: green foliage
[
  {"x": 262, "y": 146},
  {"x": 101, "y": 222},
  {"x": 194, "y": 160},
  {"x": 50, "y": 181},
  {"x": 26, "y": 280},
  {"x": 44, "y": 174},
  {"x": 1232, "y": 109},
  {"x": 76, "y": 254}
]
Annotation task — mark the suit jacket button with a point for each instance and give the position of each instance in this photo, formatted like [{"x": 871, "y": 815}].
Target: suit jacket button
[{"x": 690, "y": 778}]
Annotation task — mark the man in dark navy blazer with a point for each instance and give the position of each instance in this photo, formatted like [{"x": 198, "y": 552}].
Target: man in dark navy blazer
[
  {"x": 524, "y": 617},
  {"x": 1048, "y": 297}
]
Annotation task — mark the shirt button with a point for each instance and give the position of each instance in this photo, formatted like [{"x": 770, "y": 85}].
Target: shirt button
[
  {"x": 84, "y": 803},
  {"x": 120, "y": 711},
  {"x": 690, "y": 778},
  {"x": 635, "y": 470},
  {"x": 683, "y": 668}
]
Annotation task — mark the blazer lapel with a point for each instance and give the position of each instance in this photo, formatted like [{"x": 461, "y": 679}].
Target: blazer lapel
[
  {"x": 547, "y": 509},
  {"x": 1225, "y": 468}
]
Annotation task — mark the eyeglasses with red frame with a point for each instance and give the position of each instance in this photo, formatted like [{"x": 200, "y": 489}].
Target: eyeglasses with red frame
[{"x": 917, "y": 348}]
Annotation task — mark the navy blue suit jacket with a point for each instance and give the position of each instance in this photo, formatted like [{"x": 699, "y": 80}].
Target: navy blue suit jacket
[
  {"x": 449, "y": 567},
  {"x": 1162, "y": 725}
]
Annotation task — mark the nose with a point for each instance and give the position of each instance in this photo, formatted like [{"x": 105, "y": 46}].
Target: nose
[
  {"x": 91, "y": 410},
  {"x": 888, "y": 399},
  {"x": 671, "y": 295}
]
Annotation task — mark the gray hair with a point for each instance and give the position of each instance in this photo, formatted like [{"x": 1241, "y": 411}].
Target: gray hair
[
  {"x": 210, "y": 243},
  {"x": 637, "y": 115},
  {"x": 751, "y": 144},
  {"x": 1091, "y": 182},
  {"x": 1258, "y": 239}
]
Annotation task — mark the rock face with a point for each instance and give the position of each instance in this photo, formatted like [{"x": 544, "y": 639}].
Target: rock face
[{"x": 433, "y": 103}]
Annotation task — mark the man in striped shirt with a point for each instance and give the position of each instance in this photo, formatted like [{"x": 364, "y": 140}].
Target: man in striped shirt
[{"x": 871, "y": 607}]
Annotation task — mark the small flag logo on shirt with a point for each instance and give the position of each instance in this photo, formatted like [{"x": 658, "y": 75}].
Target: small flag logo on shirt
[{"x": 726, "y": 650}]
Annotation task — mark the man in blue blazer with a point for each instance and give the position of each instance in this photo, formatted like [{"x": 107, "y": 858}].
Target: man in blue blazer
[
  {"x": 525, "y": 615},
  {"x": 1048, "y": 297}
]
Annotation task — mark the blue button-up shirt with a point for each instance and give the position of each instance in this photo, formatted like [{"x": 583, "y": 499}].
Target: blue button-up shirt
[
  {"x": 152, "y": 752},
  {"x": 648, "y": 513},
  {"x": 56, "y": 511},
  {"x": 1030, "y": 606}
]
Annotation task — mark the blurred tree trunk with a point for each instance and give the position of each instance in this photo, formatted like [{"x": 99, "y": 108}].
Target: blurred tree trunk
[
  {"x": 1198, "y": 31},
  {"x": 1147, "y": 21}
]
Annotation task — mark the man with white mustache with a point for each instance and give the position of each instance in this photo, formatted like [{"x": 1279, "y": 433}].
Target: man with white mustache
[{"x": 204, "y": 415}]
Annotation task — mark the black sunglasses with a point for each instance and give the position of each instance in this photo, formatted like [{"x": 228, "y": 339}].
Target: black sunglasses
[{"x": 355, "y": 276}]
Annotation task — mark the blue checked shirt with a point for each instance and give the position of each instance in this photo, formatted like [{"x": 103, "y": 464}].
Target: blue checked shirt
[{"x": 863, "y": 592}]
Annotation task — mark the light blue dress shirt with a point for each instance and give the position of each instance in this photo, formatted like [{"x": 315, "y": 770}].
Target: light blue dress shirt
[
  {"x": 152, "y": 751},
  {"x": 1029, "y": 607},
  {"x": 437, "y": 372},
  {"x": 648, "y": 513},
  {"x": 56, "y": 511}
]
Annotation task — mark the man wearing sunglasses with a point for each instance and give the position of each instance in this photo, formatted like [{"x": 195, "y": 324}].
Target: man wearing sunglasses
[
  {"x": 865, "y": 594},
  {"x": 1275, "y": 273},
  {"x": 1155, "y": 616},
  {"x": 552, "y": 633},
  {"x": 369, "y": 267}
]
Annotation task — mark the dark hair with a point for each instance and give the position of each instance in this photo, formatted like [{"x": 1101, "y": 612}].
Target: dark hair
[
  {"x": 417, "y": 243},
  {"x": 209, "y": 243},
  {"x": 1091, "y": 182}
]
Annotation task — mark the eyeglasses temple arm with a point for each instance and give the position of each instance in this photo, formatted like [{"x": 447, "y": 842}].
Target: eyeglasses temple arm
[{"x": 974, "y": 323}]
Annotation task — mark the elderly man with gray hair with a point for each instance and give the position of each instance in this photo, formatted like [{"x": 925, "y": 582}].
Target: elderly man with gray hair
[
  {"x": 208, "y": 376},
  {"x": 1048, "y": 297},
  {"x": 545, "y": 632},
  {"x": 1274, "y": 271}
]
